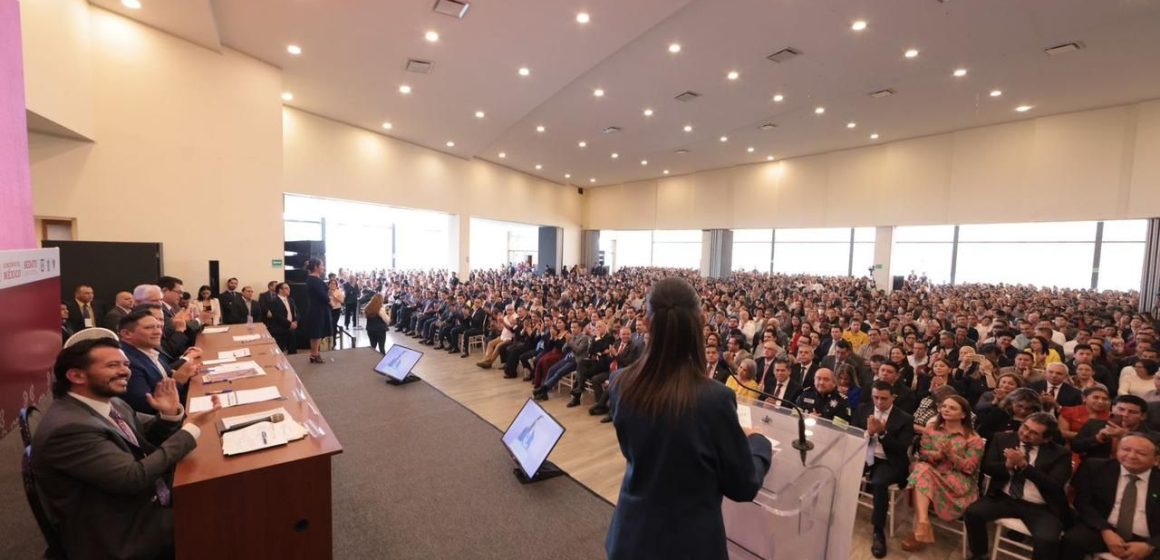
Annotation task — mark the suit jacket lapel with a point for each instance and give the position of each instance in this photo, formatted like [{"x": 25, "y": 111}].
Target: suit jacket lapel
[{"x": 107, "y": 423}]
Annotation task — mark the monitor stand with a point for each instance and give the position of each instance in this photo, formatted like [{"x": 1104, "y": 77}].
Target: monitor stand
[
  {"x": 547, "y": 470},
  {"x": 411, "y": 378}
]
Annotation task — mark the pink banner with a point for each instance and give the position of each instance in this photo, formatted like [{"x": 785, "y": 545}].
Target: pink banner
[
  {"x": 16, "y": 229},
  {"x": 30, "y": 334}
]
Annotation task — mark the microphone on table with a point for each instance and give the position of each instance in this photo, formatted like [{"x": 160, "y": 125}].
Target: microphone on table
[
  {"x": 801, "y": 443},
  {"x": 275, "y": 418}
]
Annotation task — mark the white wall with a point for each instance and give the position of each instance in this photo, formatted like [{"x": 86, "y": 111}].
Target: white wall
[
  {"x": 58, "y": 73},
  {"x": 1098, "y": 164}
]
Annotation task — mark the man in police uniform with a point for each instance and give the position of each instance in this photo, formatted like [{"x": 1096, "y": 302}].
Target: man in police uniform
[{"x": 823, "y": 399}]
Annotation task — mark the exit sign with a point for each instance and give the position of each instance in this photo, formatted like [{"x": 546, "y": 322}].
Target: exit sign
[{"x": 276, "y": 263}]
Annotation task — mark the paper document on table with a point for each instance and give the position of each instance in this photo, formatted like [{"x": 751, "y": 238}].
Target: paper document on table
[
  {"x": 218, "y": 361},
  {"x": 259, "y": 436},
  {"x": 247, "y": 337},
  {"x": 238, "y": 353},
  {"x": 234, "y": 398},
  {"x": 231, "y": 371},
  {"x": 215, "y": 330},
  {"x": 745, "y": 417},
  {"x": 293, "y": 429}
]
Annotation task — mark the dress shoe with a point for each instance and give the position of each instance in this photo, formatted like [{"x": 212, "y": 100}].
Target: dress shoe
[
  {"x": 540, "y": 396},
  {"x": 452, "y": 350},
  {"x": 463, "y": 355},
  {"x": 606, "y": 419},
  {"x": 598, "y": 410},
  {"x": 574, "y": 402},
  {"x": 878, "y": 548},
  {"x": 439, "y": 346},
  {"x": 509, "y": 375}
]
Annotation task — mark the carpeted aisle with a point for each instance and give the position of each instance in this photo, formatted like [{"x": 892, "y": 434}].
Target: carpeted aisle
[{"x": 422, "y": 477}]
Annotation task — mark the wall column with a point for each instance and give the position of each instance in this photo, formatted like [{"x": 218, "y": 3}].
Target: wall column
[
  {"x": 883, "y": 243},
  {"x": 589, "y": 247},
  {"x": 1150, "y": 276},
  {"x": 716, "y": 253},
  {"x": 551, "y": 249},
  {"x": 459, "y": 244},
  {"x": 16, "y": 229}
]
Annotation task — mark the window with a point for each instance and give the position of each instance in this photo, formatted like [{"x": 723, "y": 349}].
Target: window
[
  {"x": 1043, "y": 254},
  {"x": 496, "y": 244},
  {"x": 677, "y": 248},
  {"x": 923, "y": 251},
  {"x": 752, "y": 249},
  {"x": 820, "y": 251},
  {"x": 626, "y": 248},
  {"x": 1122, "y": 255}
]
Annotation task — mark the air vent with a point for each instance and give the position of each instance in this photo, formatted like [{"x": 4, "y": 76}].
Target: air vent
[
  {"x": 419, "y": 66},
  {"x": 784, "y": 55},
  {"x": 611, "y": 130},
  {"x": 688, "y": 96},
  {"x": 768, "y": 126},
  {"x": 882, "y": 93},
  {"x": 1064, "y": 48},
  {"x": 451, "y": 8},
  {"x": 682, "y": 151}
]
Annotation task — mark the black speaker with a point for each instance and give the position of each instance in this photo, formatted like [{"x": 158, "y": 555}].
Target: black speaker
[
  {"x": 580, "y": 190},
  {"x": 214, "y": 279},
  {"x": 898, "y": 282}
]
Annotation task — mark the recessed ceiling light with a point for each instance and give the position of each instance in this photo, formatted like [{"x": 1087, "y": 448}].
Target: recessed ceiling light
[
  {"x": 749, "y": 149},
  {"x": 287, "y": 96},
  {"x": 648, "y": 112},
  {"x": 874, "y": 136},
  {"x": 502, "y": 155},
  {"x": 644, "y": 162},
  {"x": 724, "y": 138},
  {"x": 567, "y": 175},
  {"x": 131, "y": 4},
  {"x": 388, "y": 126},
  {"x": 540, "y": 128},
  {"x": 819, "y": 110},
  {"x": 450, "y": 144},
  {"x": 598, "y": 92},
  {"x": 431, "y": 36},
  {"x": 1023, "y": 108},
  {"x": 666, "y": 171},
  {"x": 851, "y": 124},
  {"x": 768, "y": 158},
  {"x": 910, "y": 53},
  {"x": 592, "y": 179},
  {"x": 480, "y": 114},
  {"x": 733, "y": 75},
  {"x": 688, "y": 128},
  {"x": 404, "y": 89},
  {"x": 294, "y": 49},
  {"x": 539, "y": 167},
  {"x": 778, "y": 98},
  {"x": 996, "y": 92},
  {"x": 583, "y": 17},
  {"x": 858, "y": 25},
  {"x": 675, "y": 48},
  {"x": 960, "y": 72},
  {"x": 523, "y": 71},
  {"x": 615, "y": 155},
  {"x": 582, "y": 144}
]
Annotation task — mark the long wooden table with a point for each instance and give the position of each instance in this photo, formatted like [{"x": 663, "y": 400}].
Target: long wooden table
[{"x": 273, "y": 503}]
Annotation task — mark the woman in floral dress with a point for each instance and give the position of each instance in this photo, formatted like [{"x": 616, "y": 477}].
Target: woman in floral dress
[{"x": 944, "y": 477}]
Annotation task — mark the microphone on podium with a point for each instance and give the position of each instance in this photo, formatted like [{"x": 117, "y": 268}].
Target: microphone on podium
[{"x": 801, "y": 443}]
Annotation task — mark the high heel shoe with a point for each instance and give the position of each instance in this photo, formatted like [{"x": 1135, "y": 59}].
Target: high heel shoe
[
  {"x": 317, "y": 360},
  {"x": 924, "y": 533}
]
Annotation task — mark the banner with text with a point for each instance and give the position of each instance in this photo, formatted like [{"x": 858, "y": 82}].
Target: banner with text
[{"x": 30, "y": 333}]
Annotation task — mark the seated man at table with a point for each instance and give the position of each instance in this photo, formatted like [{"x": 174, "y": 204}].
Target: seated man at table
[
  {"x": 1115, "y": 502},
  {"x": 823, "y": 399},
  {"x": 102, "y": 470},
  {"x": 141, "y": 342}
]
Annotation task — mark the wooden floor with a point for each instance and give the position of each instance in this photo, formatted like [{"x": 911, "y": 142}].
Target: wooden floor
[{"x": 589, "y": 451}]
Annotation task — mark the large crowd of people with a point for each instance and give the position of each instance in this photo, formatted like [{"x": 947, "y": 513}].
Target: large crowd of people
[{"x": 983, "y": 400}]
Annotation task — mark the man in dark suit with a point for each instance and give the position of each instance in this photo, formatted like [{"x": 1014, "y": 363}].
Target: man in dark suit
[
  {"x": 803, "y": 368},
  {"x": 282, "y": 319},
  {"x": 904, "y": 398},
  {"x": 624, "y": 352},
  {"x": 124, "y": 304},
  {"x": 251, "y": 307},
  {"x": 472, "y": 326},
  {"x": 84, "y": 311},
  {"x": 780, "y": 383},
  {"x": 268, "y": 298},
  {"x": 1097, "y": 438},
  {"x": 765, "y": 361},
  {"x": 1054, "y": 388},
  {"x": 233, "y": 308},
  {"x": 890, "y": 432},
  {"x": 103, "y": 471},
  {"x": 1116, "y": 504},
  {"x": 715, "y": 367},
  {"x": 140, "y": 333},
  {"x": 1029, "y": 473},
  {"x": 844, "y": 354}
]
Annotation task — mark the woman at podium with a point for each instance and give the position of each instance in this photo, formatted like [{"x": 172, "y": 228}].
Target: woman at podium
[{"x": 679, "y": 432}]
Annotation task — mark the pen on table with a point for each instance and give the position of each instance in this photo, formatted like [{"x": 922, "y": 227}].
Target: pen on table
[
  {"x": 220, "y": 391},
  {"x": 263, "y": 438}
]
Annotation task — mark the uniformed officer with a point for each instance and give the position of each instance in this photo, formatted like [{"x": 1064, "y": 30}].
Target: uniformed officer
[{"x": 823, "y": 399}]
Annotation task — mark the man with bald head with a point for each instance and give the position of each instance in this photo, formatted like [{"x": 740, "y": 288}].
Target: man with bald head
[
  {"x": 123, "y": 305},
  {"x": 823, "y": 399}
]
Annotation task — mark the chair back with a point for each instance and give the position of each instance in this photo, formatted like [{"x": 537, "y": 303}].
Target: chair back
[
  {"x": 25, "y": 420},
  {"x": 54, "y": 550}
]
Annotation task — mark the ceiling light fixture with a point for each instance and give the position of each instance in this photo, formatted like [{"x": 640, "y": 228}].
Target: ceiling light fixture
[
  {"x": 598, "y": 92},
  {"x": 666, "y": 171},
  {"x": 733, "y": 75},
  {"x": 567, "y": 175},
  {"x": 724, "y": 138},
  {"x": 131, "y": 4},
  {"x": 858, "y": 25},
  {"x": 749, "y": 149},
  {"x": 479, "y": 114},
  {"x": 450, "y": 144},
  {"x": 523, "y": 71},
  {"x": 294, "y": 49},
  {"x": 675, "y": 48},
  {"x": 778, "y": 98},
  {"x": 615, "y": 155},
  {"x": 592, "y": 179},
  {"x": 287, "y": 96},
  {"x": 819, "y": 110},
  {"x": 874, "y": 136},
  {"x": 539, "y": 167},
  {"x": 851, "y": 124},
  {"x": 1023, "y": 108},
  {"x": 960, "y": 72},
  {"x": 910, "y": 53},
  {"x": 404, "y": 89},
  {"x": 644, "y": 162},
  {"x": 431, "y": 36},
  {"x": 583, "y": 17},
  {"x": 648, "y": 112},
  {"x": 996, "y": 92},
  {"x": 540, "y": 128},
  {"x": 502, "y": 155},
  {"x": 768, "y": 158},
  {"x": 388, "y": 126},
  {"x": 688, "y": 128},
  {"x": 582, "y": 144},
  {"x": 451, "y": 8}
]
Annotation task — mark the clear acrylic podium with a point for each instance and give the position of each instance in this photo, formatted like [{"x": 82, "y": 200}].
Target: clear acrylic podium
[{"x": 801, "y": 512}]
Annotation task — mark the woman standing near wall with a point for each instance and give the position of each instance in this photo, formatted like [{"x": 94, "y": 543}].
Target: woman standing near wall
[{"x": 317, "y": 318}]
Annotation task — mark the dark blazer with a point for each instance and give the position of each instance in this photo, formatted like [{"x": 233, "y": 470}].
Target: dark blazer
[
  {"x": 278, "y": 320},
  {"x": 77, "y": 321},
  {"x": 1086, "y": 444},
  {"x": 233, "y": 308},
  {"x": 904, "y": 398},
  {"x": 143, "y": 378},
  {"x": 97, "y": 487},
  {"x": 630, "y": 354},
  {"x": 861, "y": 369},
  {"x": 721, "y": 371},
  {"x": 1095, "y": 486},
  {"x": 804, "y": 378},
  {"x": 792, "y": 390},
  {"x": 1068, "y": 395},
  {"x": 1050, "y": 472},
  {"x": 112, "y": 319},
  {"x": 678, "y": 470},
  {"x": 897, "y": 438},
  {"x": 253, "y": 309}
]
